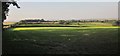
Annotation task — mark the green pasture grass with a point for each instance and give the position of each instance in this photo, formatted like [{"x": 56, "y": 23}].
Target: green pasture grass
[
  {"x": 61, "y": 40},
  {"x": 8, "y": 23},
  {"x": 89, "y": 24},
  {"x": 35, "y": 28},
  {"x": 95, "y": 24},
  {"x": 41, "y": 25}
]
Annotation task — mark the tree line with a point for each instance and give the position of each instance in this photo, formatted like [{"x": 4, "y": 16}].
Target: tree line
[{"x": 114, "y": 22}]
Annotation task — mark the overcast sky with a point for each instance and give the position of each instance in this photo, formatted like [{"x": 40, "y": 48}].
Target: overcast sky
[
  {"x": 68, "y": 0},
  {"x": 63, "y": 10},
  {"x": 63, "y": 0}
]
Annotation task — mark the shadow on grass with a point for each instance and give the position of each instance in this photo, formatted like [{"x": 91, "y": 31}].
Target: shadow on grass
[{"x": 101, "y": 42}]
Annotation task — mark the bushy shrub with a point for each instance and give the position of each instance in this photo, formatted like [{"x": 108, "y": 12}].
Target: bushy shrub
[
  {"x": 61, "y": 21},
  {"x": 116, "y": 23}
]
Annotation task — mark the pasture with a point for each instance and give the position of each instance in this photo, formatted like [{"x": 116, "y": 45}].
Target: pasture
[
  {"x": 86, "y": 24},
  {"x": 61, "y": 40},
  {"x": 8, "y": 23}
]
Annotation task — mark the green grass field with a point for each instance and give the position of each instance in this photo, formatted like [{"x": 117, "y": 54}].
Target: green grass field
[
  {"x": 8, "y": 23},
  {"x": 87, "y": 24},
  {"x": 61, "y": 40}
]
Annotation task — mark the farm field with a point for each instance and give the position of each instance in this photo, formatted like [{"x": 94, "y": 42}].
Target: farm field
[
  {"x": 59, "y": 27},
  {"x": 61, "y": 40},
  {"x": 88, "y": 24},
  {"x": 8, "y": 23}
]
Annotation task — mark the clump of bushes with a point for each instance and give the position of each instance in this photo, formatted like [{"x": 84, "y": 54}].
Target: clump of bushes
[
  {"x": 64, "y": 22},
  {"x": 116, "y": 23}
]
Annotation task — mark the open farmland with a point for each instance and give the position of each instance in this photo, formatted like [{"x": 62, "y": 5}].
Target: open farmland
[
  {"x": 87, "y": 24},
  {"x": 61, "y": 40},
  {"x": 64, "y": 27},
  {"x": 8, "y": 23}
]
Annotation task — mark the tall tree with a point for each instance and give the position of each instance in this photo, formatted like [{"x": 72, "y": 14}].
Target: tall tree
[{"x": 5, "y": 8}]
